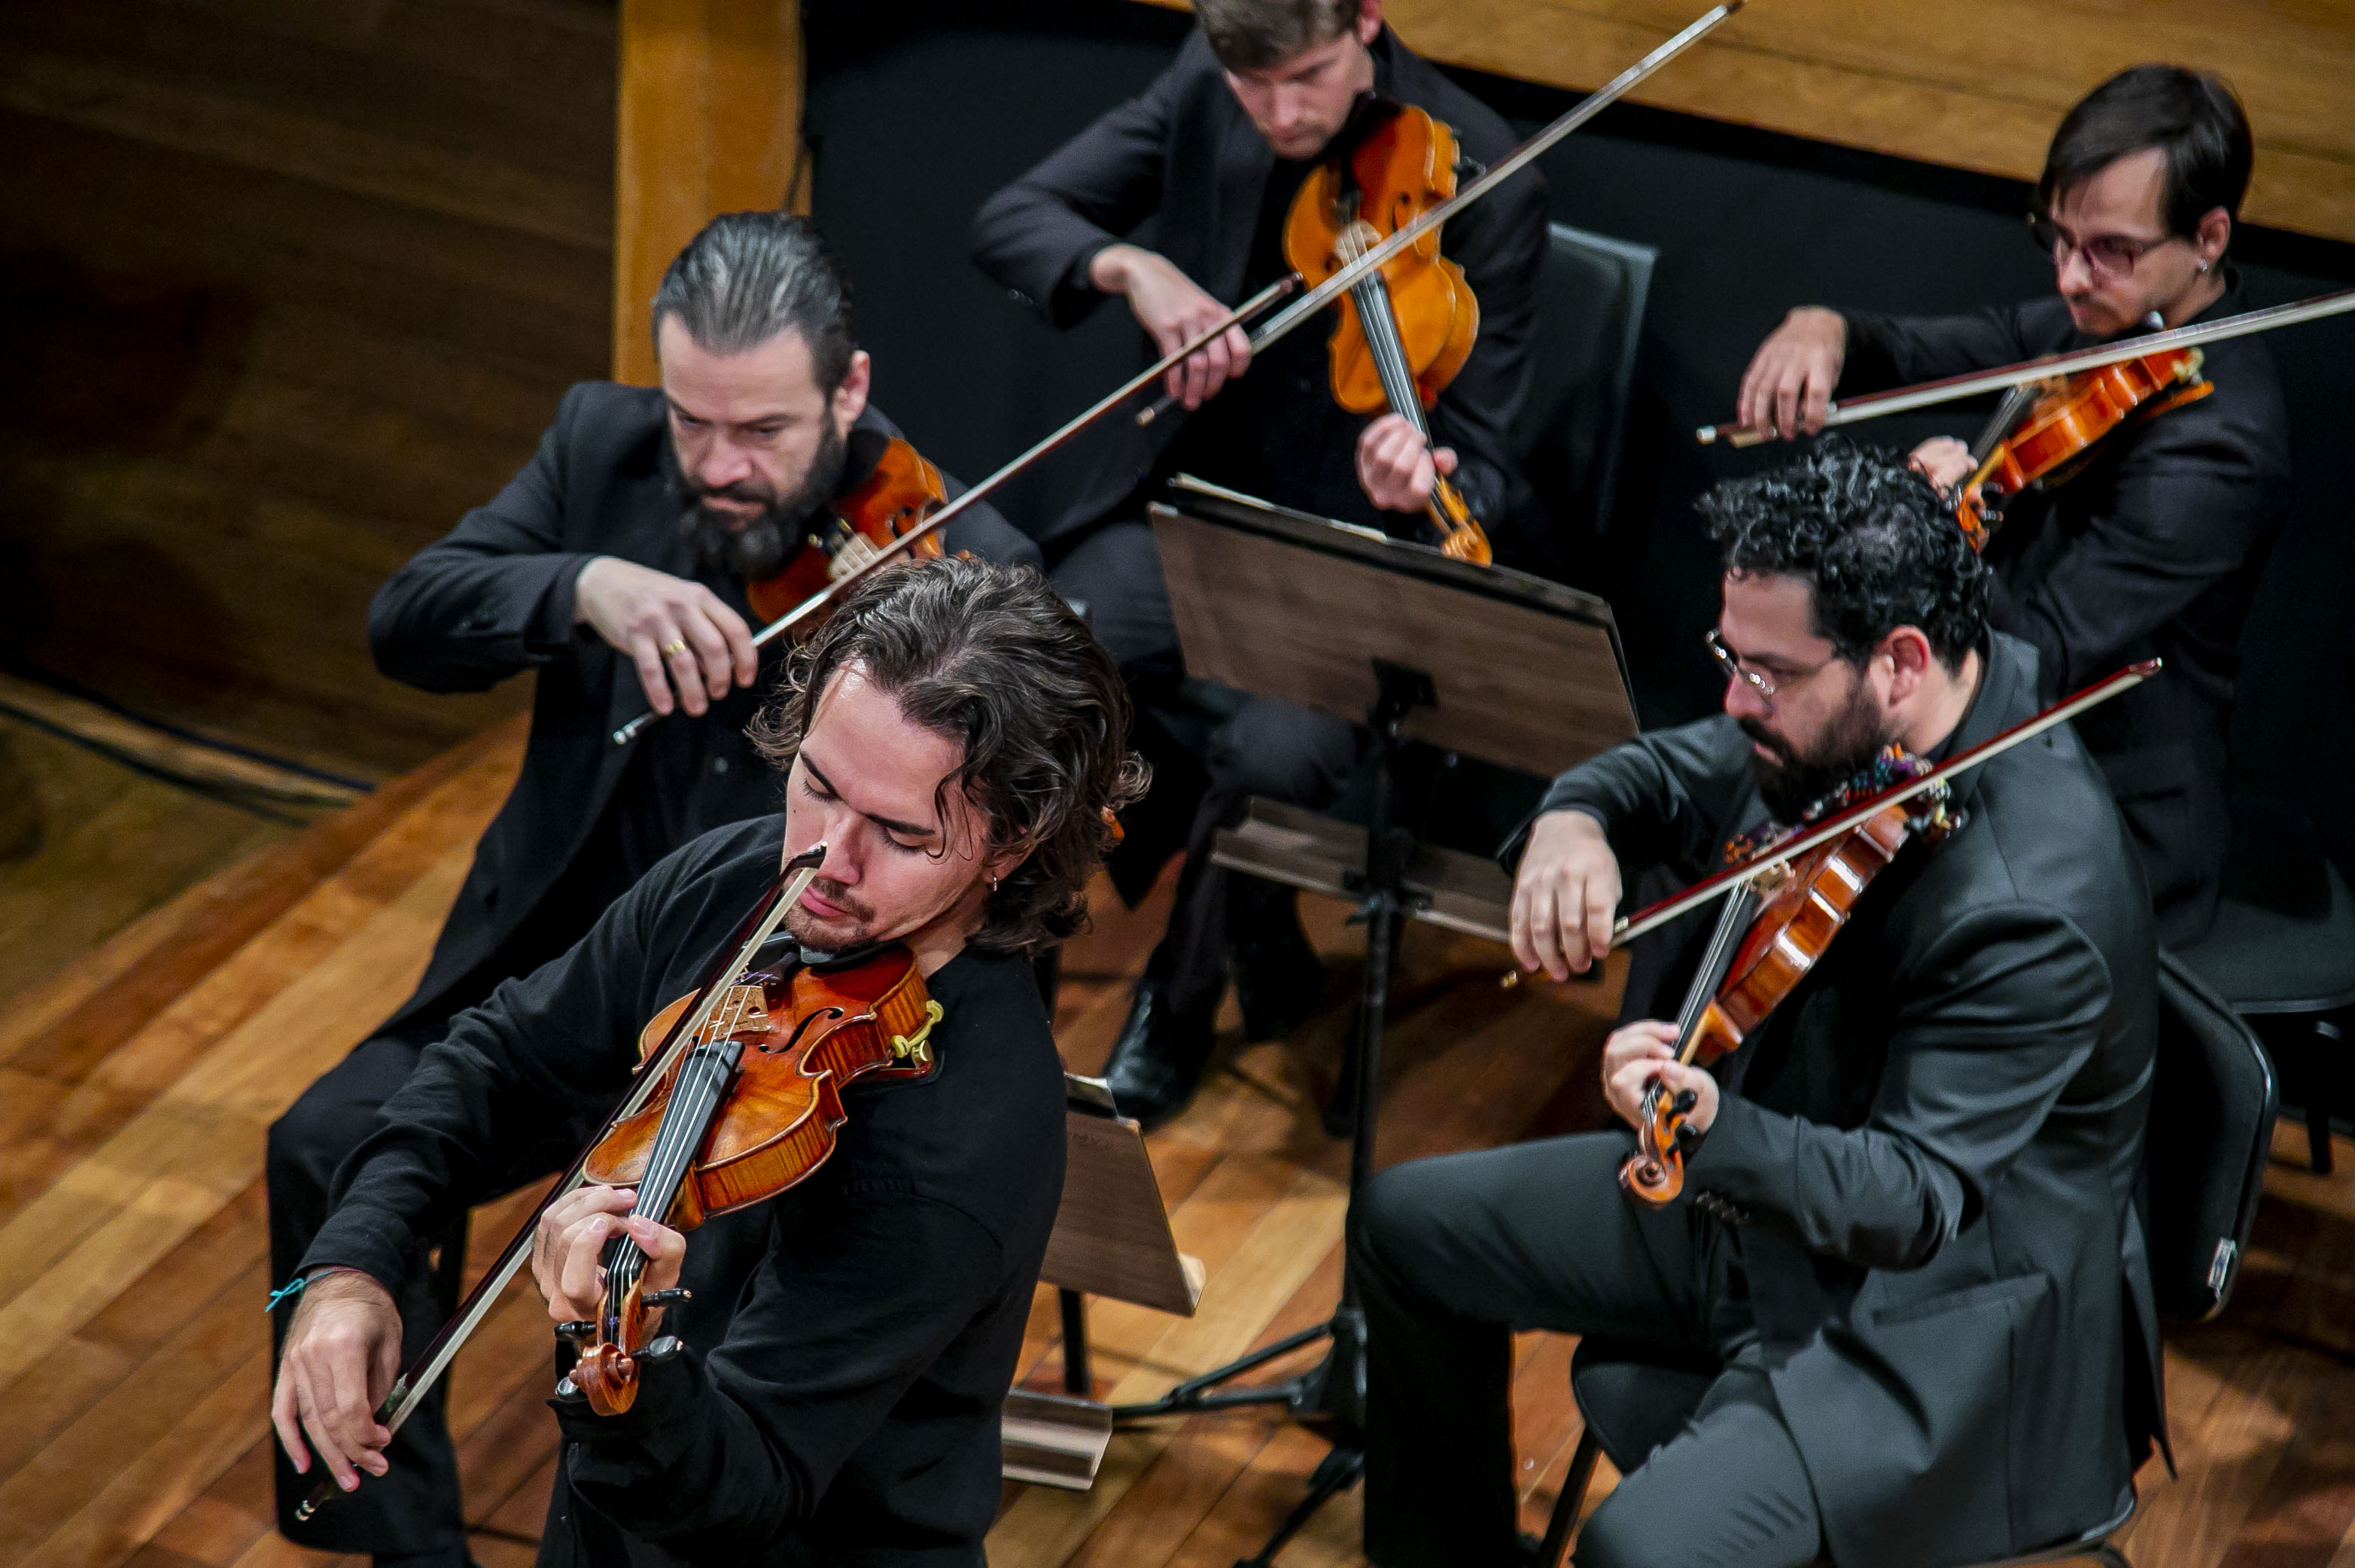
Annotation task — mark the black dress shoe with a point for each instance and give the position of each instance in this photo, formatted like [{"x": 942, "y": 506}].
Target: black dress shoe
[
  {"x": 1279, "y": 979},
  {"x": 1157, "y": 1060}
]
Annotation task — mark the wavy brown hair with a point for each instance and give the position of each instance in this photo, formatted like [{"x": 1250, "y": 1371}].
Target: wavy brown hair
[{"x": 991, "y": 657}]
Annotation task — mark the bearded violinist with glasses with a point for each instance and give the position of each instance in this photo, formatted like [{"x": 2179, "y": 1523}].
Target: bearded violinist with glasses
[{"x": 2156, "y": 544}]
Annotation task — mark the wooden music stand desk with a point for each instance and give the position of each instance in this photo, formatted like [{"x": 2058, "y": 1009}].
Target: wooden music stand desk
[{"x": 1111, "y": 1238}]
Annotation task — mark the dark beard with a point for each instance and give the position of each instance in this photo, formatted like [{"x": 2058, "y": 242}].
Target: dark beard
[
  {"x": 754, "y": 549},
  {"x": 1796, "y": 781}
]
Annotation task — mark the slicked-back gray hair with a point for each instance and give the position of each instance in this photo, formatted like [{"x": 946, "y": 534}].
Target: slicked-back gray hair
[{"x": 748, "y": 276}]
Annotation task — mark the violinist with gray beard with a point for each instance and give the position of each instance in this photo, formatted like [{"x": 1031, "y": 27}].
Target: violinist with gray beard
[{"x": 614, "y": 566}]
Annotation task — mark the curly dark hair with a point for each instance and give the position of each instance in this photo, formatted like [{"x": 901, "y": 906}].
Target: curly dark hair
[
  {"x": 1869, "y": 536},
  {"x": 993, "y": 658}
]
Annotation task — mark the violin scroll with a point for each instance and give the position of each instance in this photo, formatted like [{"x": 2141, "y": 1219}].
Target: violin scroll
[{"x": 1654, "y": 1173}]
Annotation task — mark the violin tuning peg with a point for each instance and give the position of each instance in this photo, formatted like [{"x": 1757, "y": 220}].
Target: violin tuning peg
[
  {"x": 670, "y": 1298},
  {"x": 662, "y": 1348},
  {"x": 578, "y": 1333},
  {"x": 1685, "y": 1101},
  {"x": 569, "y": 1391}
]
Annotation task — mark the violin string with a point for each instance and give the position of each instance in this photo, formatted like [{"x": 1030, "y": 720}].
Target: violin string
[
  {"x": 1378, "y": 323},
  {"x": 693, "y": 1099},
  {"x": 702, "y": 1081}
]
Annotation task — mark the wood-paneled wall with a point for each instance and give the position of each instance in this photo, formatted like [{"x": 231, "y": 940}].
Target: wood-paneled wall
[
  {"x": 285, "y": 287},
  {"x": 710, "y": 122},
  {"x": 1976, "y": 85}
]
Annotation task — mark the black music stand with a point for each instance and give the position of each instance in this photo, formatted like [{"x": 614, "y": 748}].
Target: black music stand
[{"x": 1347, "y": 622}]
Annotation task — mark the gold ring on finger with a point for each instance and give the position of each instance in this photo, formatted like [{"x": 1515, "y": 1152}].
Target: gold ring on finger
[{"x": 675, "y": 647}]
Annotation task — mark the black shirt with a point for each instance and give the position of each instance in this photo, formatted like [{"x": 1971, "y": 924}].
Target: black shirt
[{"x": 850, "y": 1342}]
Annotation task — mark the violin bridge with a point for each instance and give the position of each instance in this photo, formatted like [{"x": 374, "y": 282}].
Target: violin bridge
[
  {"x": 916, "y": 1047},
  {"x": 745, "y": 1007}
]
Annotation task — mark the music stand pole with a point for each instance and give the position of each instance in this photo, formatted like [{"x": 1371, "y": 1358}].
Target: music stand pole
[{"x": 1335, "y": 1388}]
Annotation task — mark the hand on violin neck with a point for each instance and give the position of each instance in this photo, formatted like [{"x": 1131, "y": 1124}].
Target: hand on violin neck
[
  {"x": 1396, "y": 467},
  {"x": 1565, "y": 896},
  {"x": 1637, "y": 1054},
  {"x": 1944, "y": 461},
  {"x": 1173, "y": 309},
  {"x": 690, "y": 648},
  {"x": 567, "y": 1254},
  {"x": 1788, "y": 389},
  {"x": 343, "y": 1350}
]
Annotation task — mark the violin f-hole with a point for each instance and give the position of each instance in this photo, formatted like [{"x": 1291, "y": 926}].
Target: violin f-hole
[{"x": 819, "y": 1015}]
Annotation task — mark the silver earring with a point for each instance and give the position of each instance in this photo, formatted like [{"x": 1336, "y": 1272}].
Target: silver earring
[{"x": 2203, "y": 266}]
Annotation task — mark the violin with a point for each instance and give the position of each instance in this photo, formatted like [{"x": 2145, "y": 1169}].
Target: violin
[
  {"x": 750, "y": 1109},
  {"x": 896, "y": 510},
  {"x": 1407, "y": 325},
  {"x": 2045, "y": 433},
  {"x": 895, "y": 497},
  {"x": 1769, "y": 932},
  {"x": 714, "y": 1015}
]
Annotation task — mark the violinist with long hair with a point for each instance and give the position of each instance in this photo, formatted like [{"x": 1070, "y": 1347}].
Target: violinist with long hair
[
  {"x": 1906, "y": 1237},
  {"x": 614, "y": 567},
  {"x": 1215, "y": 151},
  {"x": 2155, "y": 545},
  {"x": 955, "y": 741}
]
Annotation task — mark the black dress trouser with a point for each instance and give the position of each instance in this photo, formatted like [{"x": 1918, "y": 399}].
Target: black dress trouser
[
  {"x": 414, "y": 1511},
  {"x": 1452, "y": 1255},
  {"x": 1266, "y": 748}
]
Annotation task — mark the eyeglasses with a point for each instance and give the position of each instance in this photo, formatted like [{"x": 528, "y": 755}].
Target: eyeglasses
[
  {"x": 2111, "y": 256},
  {"x": 1728, "y": 661}
]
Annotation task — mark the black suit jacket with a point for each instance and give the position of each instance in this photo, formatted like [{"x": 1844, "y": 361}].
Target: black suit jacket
[
  {"x": 1187, "y": 154},
  {"x": 494, "y": 597},
  {"x": 1928, "y": 1153},
  {"x": 2154, "y": 549}
]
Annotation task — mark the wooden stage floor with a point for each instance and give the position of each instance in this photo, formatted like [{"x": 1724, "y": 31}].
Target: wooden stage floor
[{"x": 134, "y": 1357}]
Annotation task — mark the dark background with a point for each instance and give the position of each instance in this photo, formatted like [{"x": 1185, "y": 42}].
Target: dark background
[{"x": 916, "y": 120}]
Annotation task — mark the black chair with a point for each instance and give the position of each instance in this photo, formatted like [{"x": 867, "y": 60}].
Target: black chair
[
  {"x": 2211, "y": 1114},
  {"x": 2282, "y": 954},
  {"x": 1574, "y": 414}
]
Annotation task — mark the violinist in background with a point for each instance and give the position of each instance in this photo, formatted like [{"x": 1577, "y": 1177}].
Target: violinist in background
[
  {"x": 613, "y": 566},
  {"x": 957, "y": 742},
  {"x": 2157, "y": 545},
  {"x": 1214, "y": 153},
  {"x": 1905, "y": 1229}
]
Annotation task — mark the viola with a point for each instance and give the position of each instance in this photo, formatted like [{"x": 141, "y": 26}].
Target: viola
[
  {"x": 750, "y": 1109},
  {"x": 2052, "y": 435},
  {"x": 1308, "y": 304},
  {"x": 893, "y": 500},
  {"x": 1769, "y": 932},
  {"x": 1406, "y": 326}
]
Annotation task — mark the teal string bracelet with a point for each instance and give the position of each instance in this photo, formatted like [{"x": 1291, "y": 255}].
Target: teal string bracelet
[{"x": 293, "y": 1288}]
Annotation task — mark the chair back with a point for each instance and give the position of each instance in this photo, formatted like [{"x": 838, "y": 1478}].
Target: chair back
[
  {"x": 2213, "y": 1102},
  {"x": 1590, "y": 314}
]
